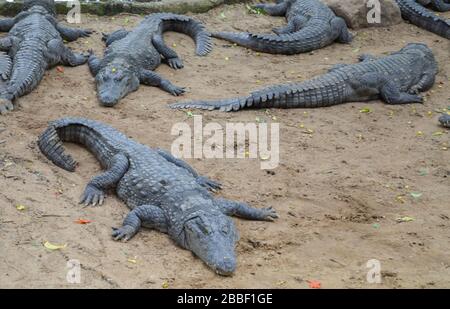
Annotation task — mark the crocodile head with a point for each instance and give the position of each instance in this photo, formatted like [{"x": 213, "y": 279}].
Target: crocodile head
[
  {"x": 418, "y": 48},
  {"x": 212, "y": 238},
  {"x": 42, "y": 6},
  {"x": 114, "y": 81}
]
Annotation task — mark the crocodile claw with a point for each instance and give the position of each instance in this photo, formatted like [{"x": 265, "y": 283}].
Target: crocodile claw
[
  {"x": 414, "y": 90},
  {"x": 123, "y": 233},
  {"x": 175, "y": 63},
  {"x": 85, "y": 32},
  {"x": 269, "y": 214},
  {"x": 5, "y": 106},
  {"x": 208, "y": 183},
  {"x": 92, "y": 195}
]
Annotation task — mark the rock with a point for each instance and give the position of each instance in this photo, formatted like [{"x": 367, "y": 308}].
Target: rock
[{"x": 357, "y": 13}]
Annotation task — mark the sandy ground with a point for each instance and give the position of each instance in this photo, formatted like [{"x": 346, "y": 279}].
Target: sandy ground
[{"x": 344, "y": 177}]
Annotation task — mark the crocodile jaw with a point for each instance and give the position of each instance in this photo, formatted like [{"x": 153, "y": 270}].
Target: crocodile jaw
[
  {"x": 114, "y": 84},
  {"x": 213, "y": 239}
]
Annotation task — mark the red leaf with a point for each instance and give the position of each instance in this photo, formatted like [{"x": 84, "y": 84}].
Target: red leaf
[
  {"x": 60, "y": 69},
  {"x": 314, "y": 284},
  {"x": 83, "y": 221}
]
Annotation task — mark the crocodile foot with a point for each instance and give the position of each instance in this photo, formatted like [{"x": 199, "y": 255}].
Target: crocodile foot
[
  {"x": 5, "y": 106},
  {"x": 92, "y": 195},
  {"x": 124, "y": 233},
  {"x": 175, "y": 63},
  {"x": 269, "y": 214},
  {"x": 208, "y": 183},
  {"x": 172, "y": 89}
]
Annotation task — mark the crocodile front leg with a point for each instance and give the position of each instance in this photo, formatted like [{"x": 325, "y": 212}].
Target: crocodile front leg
[
  {"x": 232, "y": 208},
  {"x": 170, "y": 56},
  {"x": 152, "y": 79},
  {"x": 146, "y": 215},
  {"x": 94, "y": 192},
  {"x": 71, "y": 34},
  {"x": 93, "y": 63},
  {"x": 201, "y": 180},
  {"x": 6, "y": 24},
  {"x": 58, "y": 52}
]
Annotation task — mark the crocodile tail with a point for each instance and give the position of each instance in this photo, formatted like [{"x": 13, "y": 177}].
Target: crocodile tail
[
  {"x": 226, "y": 105},
  {"x": 286, "y": 44},
  {"x": 51, "y": 146},
  {"x": 424, "y": 18},
  {"x": 191, "y": 27},
  {"x": 321, "y": 92}
]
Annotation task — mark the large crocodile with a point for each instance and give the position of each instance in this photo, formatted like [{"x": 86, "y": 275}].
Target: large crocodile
[
  {"x": 34, "y": 43},
  {"x": 131, "y": 57},
  {"x": 164, "y": 193},
  {"x": 396, "y": 79},
  {"x": 311, "y": 25},
  {"x": 445, "y": 120},
  {"x": 420, "y": 16}
]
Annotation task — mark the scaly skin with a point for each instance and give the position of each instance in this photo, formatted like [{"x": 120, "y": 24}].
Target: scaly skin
[
  {"x": 396, "y": 79},
  {"x": 131, "y": 57},
  {"x": 437, "y": 5},
  {"x": 163, "y": 192},
  {"x": 445, "y": 120},
  {"x": 415, "y": 13},
  {"x": 311, "y": 25},
  {"x": 34, "y": 43}
]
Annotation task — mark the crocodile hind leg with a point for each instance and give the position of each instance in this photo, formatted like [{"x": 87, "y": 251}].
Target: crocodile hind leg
[
  {"x": 201, "y": 180},
  {"x": 278, "y": 9},
  {"x": 425, "y": 83},
  {"x": 5, "y": 66},
  {"x": 170, "y": 56},
  {"x": 340, "y": 30},
  {"x": 71, "y": 34},
  {"x": 114, "y": 36},
  {"x": 94, "y": 192},
  {"x": 371, "y": 83},
  {"x": 232, "y": 208},
  {"x": 146, "y": 215},
  {"x": 152, "y": 79},
  {"x": 293, "y": 25}
]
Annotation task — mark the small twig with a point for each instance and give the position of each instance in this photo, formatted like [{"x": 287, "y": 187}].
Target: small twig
[{"x": 52, "y": 215}]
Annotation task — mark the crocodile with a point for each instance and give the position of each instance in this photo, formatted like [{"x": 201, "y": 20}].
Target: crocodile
[
  {"x": 310, "y": 25},
  {"x": 163, "y": 192},
  {"x": 131, "y": 56},
  {"x": 420, "y": 16},
  {"x": 437, "y": 5},
  {"x": 445, "y": 120},
  {"x": 396, "y": 78},
  {"x": 34, "y": 43}
]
